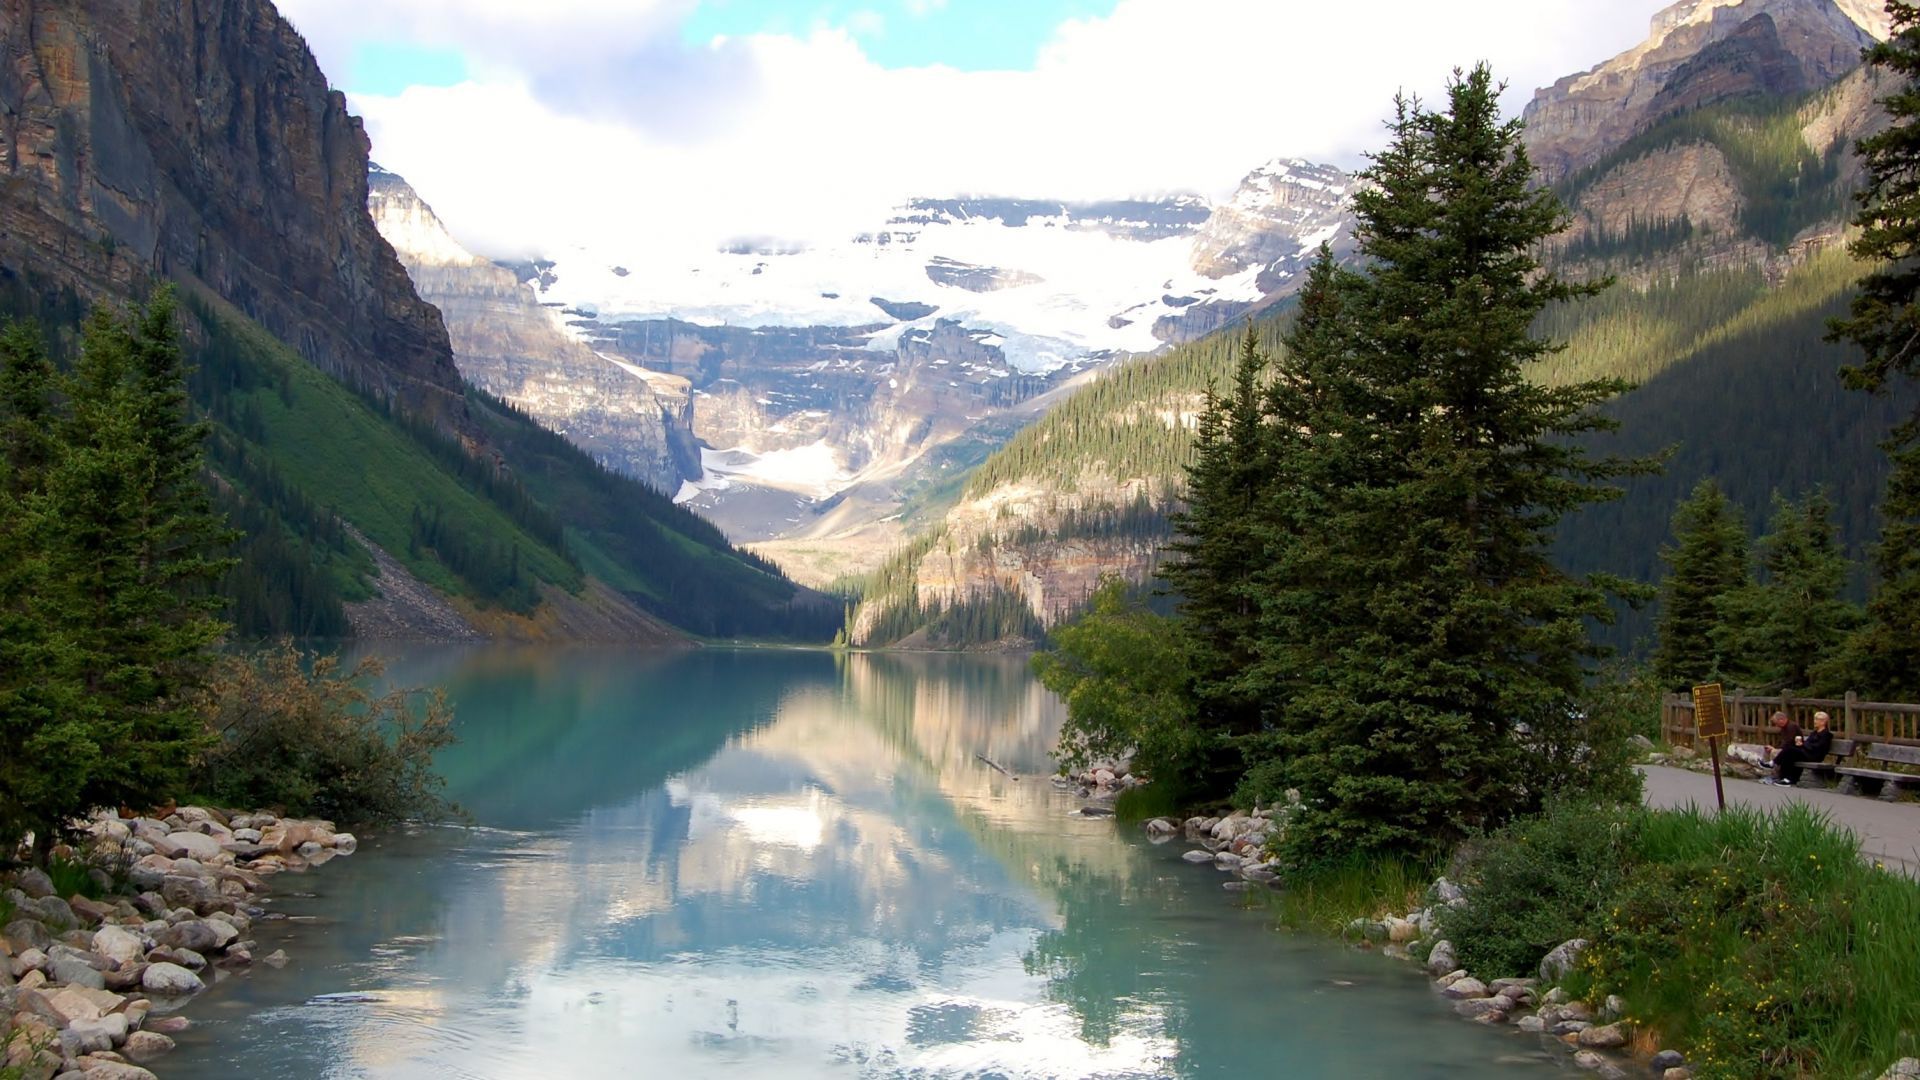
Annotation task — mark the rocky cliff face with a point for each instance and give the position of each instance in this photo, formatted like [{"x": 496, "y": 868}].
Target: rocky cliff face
[
  {"x": 508, "y": 343},
  {"x": 198, "y": 139},
  {"x": 1802, "y": 43}
]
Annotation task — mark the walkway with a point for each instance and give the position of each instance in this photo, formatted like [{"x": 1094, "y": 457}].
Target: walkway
[{"x": 1889, "y": 832}]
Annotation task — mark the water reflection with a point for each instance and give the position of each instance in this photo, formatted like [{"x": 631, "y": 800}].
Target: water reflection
[{"x": 785, "y": 864}]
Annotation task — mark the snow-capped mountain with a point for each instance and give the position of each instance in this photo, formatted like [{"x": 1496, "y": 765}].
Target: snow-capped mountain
[{"x": 830, "y": 382}]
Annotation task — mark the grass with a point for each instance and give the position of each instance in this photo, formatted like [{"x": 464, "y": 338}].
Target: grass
[
  {"x": 70, "y": 877},
  {"x": 1760, "y": 945},
  {"x": 1141, "y": 803},
  {"x": 1330, "y": 898}
]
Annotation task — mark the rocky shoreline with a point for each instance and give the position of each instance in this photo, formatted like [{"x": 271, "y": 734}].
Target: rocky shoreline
[
  {"x": 1595, "y": 1036},
  {"x": 91, "y": 988}
]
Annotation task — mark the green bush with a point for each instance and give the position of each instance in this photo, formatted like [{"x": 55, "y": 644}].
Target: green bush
[
  {"x": 1758, "y": 944},
  {"x": 1536, "y": 884},
  {"x": 318, "y": 743}
]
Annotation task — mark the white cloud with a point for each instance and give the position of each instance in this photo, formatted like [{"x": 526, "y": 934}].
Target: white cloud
[{"x": 592, "y": 120}]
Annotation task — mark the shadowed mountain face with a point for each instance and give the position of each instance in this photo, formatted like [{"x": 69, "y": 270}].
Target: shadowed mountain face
[{"x": 198, "y": 139}]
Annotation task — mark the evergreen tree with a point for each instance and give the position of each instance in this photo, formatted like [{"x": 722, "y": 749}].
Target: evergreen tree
[
  {"x": 1884, "y": 655},
  {"x": 1777, "y": 632},
  {"x": 1216, "y": 545},
  {"x": 1443, "y": 684},
  {"x": 1706, "y": 564},
  {"x": 133, "y": 550}
]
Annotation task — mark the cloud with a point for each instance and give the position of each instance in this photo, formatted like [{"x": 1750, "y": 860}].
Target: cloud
[{"x": 594, "y": 120}]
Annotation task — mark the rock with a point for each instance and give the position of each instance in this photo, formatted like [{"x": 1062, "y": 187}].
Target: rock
[
  {"x": 185, "y": 958},
  {"x": 277, "y": 958},
  {"x": 1569, "y": 1027},
  {"x": 1613, "y": 1008},
  {"x": 1687, "y": 1074},
  {"x": 32, "y": 980},
  {"x": 188, "y": 844},
  {"x": 189, "y": 892},
  {"x": 80, "y": 1003},
  {"x": 34, "y": 882},
  {"x": 1198, "y": 856},
  {"x": 33, "y": 959},
  {"x": 1468, "y": 987},
  {"x": 75, "y": 968},
  {"x": 1556, "y": 964},
  {"x": 1401, "y": 931},
  {"x": 1608, "y": 1037},
  {"x": 100, "y": 1033},
  {"x": 1441, "y": 959},
  {"x": 89, "y": 912},
  {"x": 246, "y": 836},
  {"x": 199, "y": 935},
  {"x": 1904, "y": 1069},
  {"x": 169, "y": 1025},
  {"x": 1227, "y": 860},
  {"x": 50, "y": 911},
  {"x": 1157, "y": 827},
  {"x": 1473, "y": 1008},
  {"x": 1587, "y": 1059},
  {"x": 1446, "y": 892},
  {"x": 126, "y": 976},
  {"x": 118, "y": 944},
  {"x": 118, "y": 1071},
  {"x": 1531, "y": 1024},
  {"x": 1672, "y": 1059},
  {"x": 1640, "y": 742},
  {"x": 1450, "y": 978},
  {"x": 171, "y": 979},
  {"x": 144, "y": 1046},
  {"x": 1555, "y": 996}
]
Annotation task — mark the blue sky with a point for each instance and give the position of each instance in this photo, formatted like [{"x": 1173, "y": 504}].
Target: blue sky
[
  {"x": 384, "y": 68},
  {"x": 969, "y": 35}
]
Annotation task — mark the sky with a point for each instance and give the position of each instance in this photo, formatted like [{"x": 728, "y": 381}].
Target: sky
[{"x": 645, "y": 124}]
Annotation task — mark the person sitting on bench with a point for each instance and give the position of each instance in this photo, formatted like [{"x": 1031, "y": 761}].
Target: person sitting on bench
[{"x": 1795, "y": 748}]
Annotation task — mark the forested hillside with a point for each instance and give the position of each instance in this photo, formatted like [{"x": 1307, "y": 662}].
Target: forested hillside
[{"x": 1723, "y": 226}]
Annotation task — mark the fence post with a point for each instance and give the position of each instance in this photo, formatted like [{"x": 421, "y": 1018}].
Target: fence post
[{"x": 1847, "y": 721}]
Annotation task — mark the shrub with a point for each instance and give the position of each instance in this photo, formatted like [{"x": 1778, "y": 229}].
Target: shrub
[
  {"x": 318, "y": 743},
  {"x": 1537, "y": 883}
]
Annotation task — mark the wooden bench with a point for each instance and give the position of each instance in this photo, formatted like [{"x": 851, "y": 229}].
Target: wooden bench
[
  {"x": 1887, "y": 783},
  {"x": 1841, "y": 750}
]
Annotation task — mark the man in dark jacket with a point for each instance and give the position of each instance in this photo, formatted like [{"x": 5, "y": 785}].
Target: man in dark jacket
[{"x": 1797, "y": 748}]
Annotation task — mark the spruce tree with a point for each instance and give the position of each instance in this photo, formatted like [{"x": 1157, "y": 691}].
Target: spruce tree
[
  {"x": 1706, "y": 564},
  {"x": 1216, "y": 544},
  {"x": 1445, "y": 690},
  {"x": 1775, "y": 633},
  {"x": 1883, "y": 657}
]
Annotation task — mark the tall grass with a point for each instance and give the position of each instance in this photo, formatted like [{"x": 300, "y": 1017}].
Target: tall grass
[
  {"x": 1330, "y": 898},
  {"x": 1759, "y": 944}
]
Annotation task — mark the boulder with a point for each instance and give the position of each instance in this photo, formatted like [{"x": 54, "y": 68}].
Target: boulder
[
  {"x": 1672, "y": 1059},
  {"x": 144, "y": 1046},
  {"x": 114, "y": 1070},
  {"x": 277, "y": 958},
  {"x": 169, "y": 1025},
  {"x": 1904, "y": 1069},
  {"x": 1198, "y": 856},
  {"x": 1556, "y": 964},
  {"x": 345, "y": 843},
  {"x": 1466, "y": 988},
  {"x": 1446, "y": 892},
  {"x": 171, "y": 979},
  {"x": 1441, "y": 959},
  {"x": 1532, "y": 1025},
  {"x": 100, "y": 1033},
  {"x": 1608, "y": 1037},
  {"x": 190, "y": 892},
  {"x": 1613, "y": 1008},
  {"x": 75, "y": 968},
  {"x": 198, "y": 935},
  {"x": 1401, "y": 931},
  {"x": 81, "y": 1003},
  {"x": 1474, "y": 1008},
  {"x": 125, "y": 977},
  {"x": 118, "y": 944},
  {"x": 32, "y": 959},
  {"x": 34, "y": 883},
  {"x": 89, "y": 912},
  {"x": 187, "y": 844}
]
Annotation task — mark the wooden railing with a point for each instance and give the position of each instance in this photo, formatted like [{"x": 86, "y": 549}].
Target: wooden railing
[{"x": 1749, "y": 718}]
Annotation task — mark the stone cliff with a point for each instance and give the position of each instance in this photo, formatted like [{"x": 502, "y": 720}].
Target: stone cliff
[
  {"x": 198, "y": 139},
  {"x": 1802, "y": 44},
  {"x": 508, "y": 343}
]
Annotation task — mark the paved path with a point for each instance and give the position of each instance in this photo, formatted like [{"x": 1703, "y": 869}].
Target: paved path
[{"x": 1889, "y": 832}]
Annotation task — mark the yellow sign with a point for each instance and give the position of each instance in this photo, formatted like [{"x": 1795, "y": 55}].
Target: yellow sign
[{"x": 1709, "y": 712}]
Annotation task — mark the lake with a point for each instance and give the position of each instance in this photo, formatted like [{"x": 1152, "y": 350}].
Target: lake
[{"x": 766, "y": 863}]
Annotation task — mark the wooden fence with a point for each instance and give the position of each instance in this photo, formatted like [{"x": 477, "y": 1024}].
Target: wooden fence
[{"x": 1749, "y": 718}]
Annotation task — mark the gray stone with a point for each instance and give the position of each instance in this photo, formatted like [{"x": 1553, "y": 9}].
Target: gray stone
[
  {"x": 113, "y": 1070},
  {"x": 277, "y": 958},
  {"x": 74, "y": 968},
  {"x": 1468, "y": 987},
  {"x": 118, "y": 944},
  {"x": 1609, "y": 1037},
  {"x": 1441, "y": 958},
  {"x": 189, "y": 892},
  {"x": 1904, "y": 1069},
  {"x": 1613, "y": 1008},
  {"x": 1569, "y": 1027},
  {"x": 1476, "y": 1007},
  {"x": 1531, "y": 1024},
  {"x": 1667, "y": 1059},
  {"x": 145, "y": 877},
  {"x": 171, "y": 979},
  {"x": 144, "y": 1046},
  {"x": 198, "y": 935},
  {"x": 1679, "y": 1073},
  {"x": 1198, "y": 856},
  {"x": 102, "y": 1034},
  {"x": 188, "y": 844},
  {"x": 34, "y": 882},
  {"x": 1556, "y": 964},
  {"x": 1447, "y": 892},
  {"x": 1640, "y": 742}
]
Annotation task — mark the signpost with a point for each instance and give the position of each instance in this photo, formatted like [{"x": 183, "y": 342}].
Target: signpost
[{"x": 1710, "y": 723}]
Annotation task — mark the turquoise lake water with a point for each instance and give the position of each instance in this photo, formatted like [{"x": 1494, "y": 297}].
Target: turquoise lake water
[{"x": 765, "y": 863}]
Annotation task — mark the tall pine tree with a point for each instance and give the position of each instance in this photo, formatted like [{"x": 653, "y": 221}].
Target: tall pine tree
[
  {"x": 1777, "y": 632},
  {"x": 1706, "y": 565},
  {"x": 1883, "y": 657},
  {"x": 1446, "y": 687}
]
